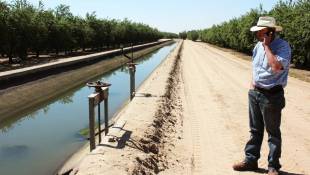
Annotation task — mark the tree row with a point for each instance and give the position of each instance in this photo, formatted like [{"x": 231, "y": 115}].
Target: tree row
[{"x": 25, "y": 28}]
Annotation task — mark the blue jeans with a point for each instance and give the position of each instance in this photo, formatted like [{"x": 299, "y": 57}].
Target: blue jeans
[{"x": 265, "y": 111}]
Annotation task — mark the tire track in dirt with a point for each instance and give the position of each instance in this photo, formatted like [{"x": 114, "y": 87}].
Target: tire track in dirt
[
  {"x": 197, "y": 166},
  {"x": 211, "y": 141}
]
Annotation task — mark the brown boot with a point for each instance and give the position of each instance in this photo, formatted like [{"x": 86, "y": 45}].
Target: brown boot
[
  {"x": 245, "y": 166},
  {"x": 273, "y": 171}
]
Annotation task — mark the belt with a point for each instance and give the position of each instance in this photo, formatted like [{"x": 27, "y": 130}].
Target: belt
[{"x": 273, "y": 90}]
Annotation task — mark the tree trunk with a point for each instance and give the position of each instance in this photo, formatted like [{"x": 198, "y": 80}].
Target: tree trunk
[
  {"x": 10, "y": 59},
  {"x": 10, "y": 55},
  {"x": 305, "y": 62}
]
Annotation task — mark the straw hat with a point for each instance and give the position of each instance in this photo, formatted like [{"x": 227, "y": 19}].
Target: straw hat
[{"x": 265, "y": 22}]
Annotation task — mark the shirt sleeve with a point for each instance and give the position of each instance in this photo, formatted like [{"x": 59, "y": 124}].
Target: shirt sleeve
[
  {"x": 283, "y": 55},
  {"x": 254, "y": 51}
]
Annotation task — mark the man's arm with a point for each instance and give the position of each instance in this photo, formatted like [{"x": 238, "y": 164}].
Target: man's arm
[
  {"x": 275, "y": 65},
  {"x": 252, "y": 85}
]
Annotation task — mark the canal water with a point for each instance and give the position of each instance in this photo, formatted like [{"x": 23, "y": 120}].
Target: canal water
[{"x": 38, "y": 143}]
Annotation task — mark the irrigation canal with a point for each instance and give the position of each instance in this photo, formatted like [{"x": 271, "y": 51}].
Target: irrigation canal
[{"x": 39, "y": 142}]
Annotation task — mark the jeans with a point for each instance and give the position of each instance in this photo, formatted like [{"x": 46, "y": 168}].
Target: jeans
[{"x": 265, "y": 111}]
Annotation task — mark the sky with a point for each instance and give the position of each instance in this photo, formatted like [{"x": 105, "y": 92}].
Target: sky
[{"x": 166, "y": 15}]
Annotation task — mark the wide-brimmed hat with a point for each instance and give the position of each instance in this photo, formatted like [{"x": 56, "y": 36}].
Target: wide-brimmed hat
[{"x": 265, "y": 22}]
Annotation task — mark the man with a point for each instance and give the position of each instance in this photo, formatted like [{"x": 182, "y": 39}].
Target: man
[{"x": 271, "y": 59}]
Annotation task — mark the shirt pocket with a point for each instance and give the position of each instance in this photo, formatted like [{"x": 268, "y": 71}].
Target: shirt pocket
[{"x": 265, "y": 65}]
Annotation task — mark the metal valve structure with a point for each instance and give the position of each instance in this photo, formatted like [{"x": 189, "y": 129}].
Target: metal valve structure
[{"x": 101, "y": 94}]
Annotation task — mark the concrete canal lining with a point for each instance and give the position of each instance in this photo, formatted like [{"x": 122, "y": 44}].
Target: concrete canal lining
[{"x": 18, "y": 100}]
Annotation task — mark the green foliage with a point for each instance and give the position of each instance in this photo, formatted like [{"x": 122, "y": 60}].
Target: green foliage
[
  {"x": 168, "y": 35},
  {"x": 4, "y": 9},
  {"x": 183, "y": 35},
  {"x": 293, "y": 16},
  {"x": 20, "y": 25},
  {"x": 25, "y": 28},
  {"x": 193, "y": 35}
]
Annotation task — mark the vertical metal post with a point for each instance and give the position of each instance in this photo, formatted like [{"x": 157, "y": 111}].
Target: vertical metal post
[
  {"x": 106, "y": 116},
  {"x": 132, "y": 71},
  {"x": 132, "y": 81},
  {"x": 131, "y": 52},
  {"x": 91, "y": 124},
  {"x": 99, "y": 122}
]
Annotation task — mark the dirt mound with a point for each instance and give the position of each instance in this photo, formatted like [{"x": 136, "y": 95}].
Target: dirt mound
[{"x": 157, "y": 140}]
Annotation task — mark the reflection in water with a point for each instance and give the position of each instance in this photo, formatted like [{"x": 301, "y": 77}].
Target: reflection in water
[
  {"x": 145, "y": 58},
  {"x": 45, "y": 109},
  {"x": 7, "y": 125},
  {"x": 68, "y": 98},
  {"x": 14, "y": 151},
  {"x": 124, "y": 69}
]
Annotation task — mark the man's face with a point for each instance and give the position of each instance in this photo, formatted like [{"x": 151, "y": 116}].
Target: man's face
[{"x": 261, "y": 34}]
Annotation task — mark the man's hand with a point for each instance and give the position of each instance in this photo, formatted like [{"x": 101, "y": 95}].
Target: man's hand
[
  {"x": 267, "y": 40},
  {"x": 275, "y": 65},
  {"x": 251, "y": 86}
]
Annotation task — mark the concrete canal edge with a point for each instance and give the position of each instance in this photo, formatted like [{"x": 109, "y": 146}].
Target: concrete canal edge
[
  {"x": 121, "y": 119},
  {"x": 18, "y": 100},
  {"x": 8, "y": 76}
]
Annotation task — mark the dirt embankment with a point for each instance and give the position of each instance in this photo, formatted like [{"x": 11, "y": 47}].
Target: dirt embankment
[
  {"x": 157, "y": 142},
  {"x": 18, "y": 100}
]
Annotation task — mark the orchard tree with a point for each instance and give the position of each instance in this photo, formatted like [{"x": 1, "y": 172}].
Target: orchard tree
[
  {"x": 183, "y": 35},
  {"x": 20, "y": 28},
  {"x": 193, "y": 35},
  {"x": 25, "y": 28},
  {"x": 4, "y": 41}
]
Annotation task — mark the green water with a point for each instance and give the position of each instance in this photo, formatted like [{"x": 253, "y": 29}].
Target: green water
[{"x": 39, "y": 142}]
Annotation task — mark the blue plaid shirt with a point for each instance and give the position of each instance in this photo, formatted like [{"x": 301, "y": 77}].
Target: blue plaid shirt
[{"x": 263, "y": 76}]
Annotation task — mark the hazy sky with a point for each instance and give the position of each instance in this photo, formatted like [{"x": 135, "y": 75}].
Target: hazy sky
[{"x": 166, "y": 15}]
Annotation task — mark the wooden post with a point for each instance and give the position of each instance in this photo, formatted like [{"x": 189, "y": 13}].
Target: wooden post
[
  {"x": 106, "y": 116},
  {"x": 92, "y": 141},
  {"x": 132, "y": 82},
  {"x": 99, "y": 122}
]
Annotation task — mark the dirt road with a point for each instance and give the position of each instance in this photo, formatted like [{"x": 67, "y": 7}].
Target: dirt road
[{"x": 216, "y": 113}]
